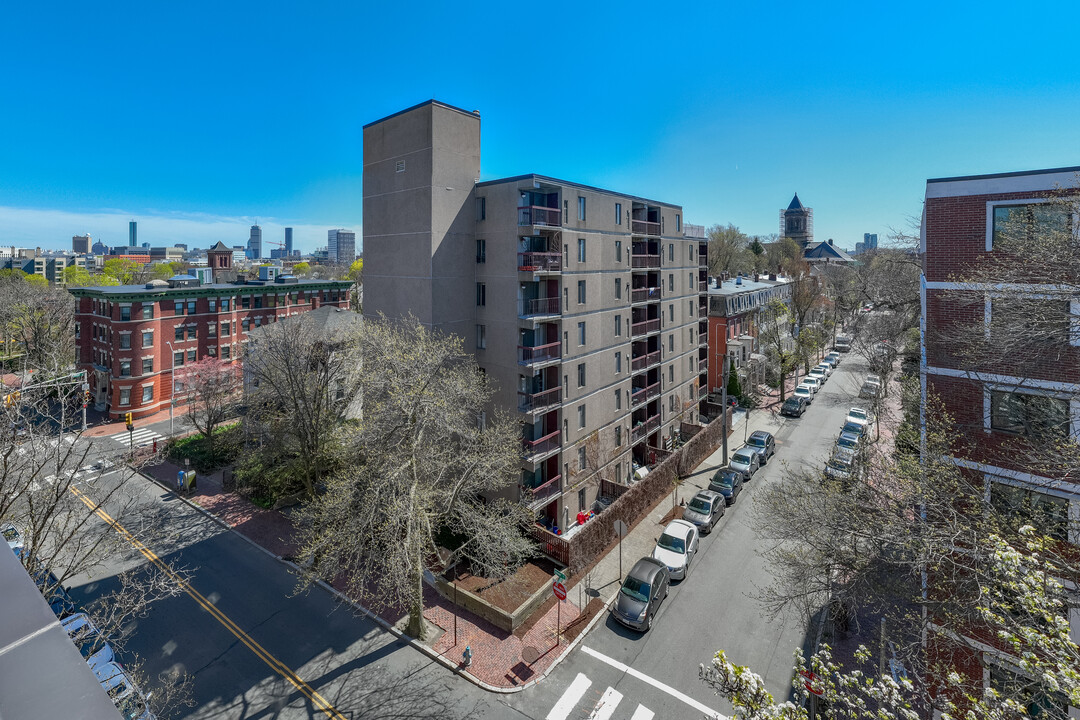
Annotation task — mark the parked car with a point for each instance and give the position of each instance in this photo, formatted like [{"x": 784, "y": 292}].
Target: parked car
[
  {"x": 869, "y": 390},
  {"x": 817, "y": 374},
  {"x": 645, "y": 587},
  {"x": 728, "y": 483},
  {"x": 825, "y": 368},
  {"x": 59, "y": 601},
  {"x": 840, "y": 463},
  {"x": 857, "y": 415},
  {"x": 746, "y": 461},
  {"x": 875, "y": 379},
  {"x": 853, "y": 428},
  {"x": 842, "y": 344},
  {"x": 795, "y": 405},
  {"x": 884, "y": 350},
  {"x": 13, "y": 536},
  {"x": 763, "y": 443},
  {"x": 812, "y": 382},
  {"x": 91, "y": 643},
  {"x": 704, "y": 510},
  {"x": 122, "y": 690},
  {"x": 833, "y": 357},
  {"x": 805, "y": 392},
  {"x": 848, "y": 440},
  {"x": 676, "y": 548}
]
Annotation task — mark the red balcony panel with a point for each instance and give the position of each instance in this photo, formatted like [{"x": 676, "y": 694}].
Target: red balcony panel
[
  {"x": 640, "y": 295},
  {"x": 541, "y": 445},
  {"x": 529, "y": 402},
  {"x": 644, "y": 227},
  {"x": 645, "y": 361},
  {"x": 538, "y": 353},
  {"x": 542, "y": 492},
  {"x": 645, "y": 261},
  {"x": 539, "y": 262},
  {"x": 539, "y": 306},
  {"x": 644, "y": 327}
]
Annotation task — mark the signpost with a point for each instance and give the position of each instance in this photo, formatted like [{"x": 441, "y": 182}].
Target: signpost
[
  {"x": 559, "y": 591},
  {"x": 809, "y": 679},
  {"x": 620, "y": 530}
]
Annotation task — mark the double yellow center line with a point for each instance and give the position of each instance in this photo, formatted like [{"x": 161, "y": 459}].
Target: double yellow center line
[{"x": 276, "y": 665}]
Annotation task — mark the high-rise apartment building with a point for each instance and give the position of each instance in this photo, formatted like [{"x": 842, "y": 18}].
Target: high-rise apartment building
[
  {"x": 133, "y": 233},
  {"x": 288, "y": 241},
  {"x": 586, "y": 308},
  {"x": 341, "y": 246},
  {"x": 254, "y": 246},
  {"x": 869, "y": 241},
  {"x": 80, "y": 244}
]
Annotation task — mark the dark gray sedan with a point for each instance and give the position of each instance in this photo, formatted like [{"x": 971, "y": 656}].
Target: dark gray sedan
[
  {"x": 645, "y": 587},
  {"x": 704, "y": 510},
  {"x": 728, "y": 483}
]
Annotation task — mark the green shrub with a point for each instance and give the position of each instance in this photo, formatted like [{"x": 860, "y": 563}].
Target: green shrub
[{"x": 228, "y": 441}]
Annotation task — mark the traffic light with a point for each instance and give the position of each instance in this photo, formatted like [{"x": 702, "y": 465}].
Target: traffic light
[{"x": 127, "y": 418}]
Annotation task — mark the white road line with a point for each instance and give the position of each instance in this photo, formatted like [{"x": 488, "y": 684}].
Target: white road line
[
  {"x": 655, "y": 683},
  {"x": 570, "y": 698},
  {"x": 642, "y": 713},
  {"x": 606, "y": 707}
]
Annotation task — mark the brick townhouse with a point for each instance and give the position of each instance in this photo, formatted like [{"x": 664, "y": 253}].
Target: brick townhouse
[
  {"x": 130, "y": 338},
  {"x": 734, "y": 305},
  {"x": 993, "y": 400}
]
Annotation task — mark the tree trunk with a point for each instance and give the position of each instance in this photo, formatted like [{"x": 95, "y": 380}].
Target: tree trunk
[{"x": 415, "y": 627}]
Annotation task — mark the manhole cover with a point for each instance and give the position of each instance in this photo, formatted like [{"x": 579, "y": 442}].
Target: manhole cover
[{"x": 530, "y": 654}]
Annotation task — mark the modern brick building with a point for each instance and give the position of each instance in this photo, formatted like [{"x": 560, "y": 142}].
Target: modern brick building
[
  {"x": 585, "y": 307},
  {"x": 997, "y": 403},
  {"x": 130, "y": 337}
]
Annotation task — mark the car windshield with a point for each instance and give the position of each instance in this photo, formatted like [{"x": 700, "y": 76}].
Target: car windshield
[
  {"x": 636, "y": 589},
  {"x": 756, "y": 441},
  {"x": 672, "y": 543},
  {"x": 854, "y": 428},
  {"x": 741, "y": 458},
  {"x": 725, "y": 483},
  {"x": 131, "y": 707},
  {"x": 857, "y": 413},
  {"x": 802, "y": 390},
  {"x": 87, "y": 644},
  {"x": 10, "y": 534},
  {"x": 847, "y": 441},
  {"x": 699, "y": 505}
]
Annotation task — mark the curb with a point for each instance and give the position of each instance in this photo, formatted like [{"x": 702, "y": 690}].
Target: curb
[{"x": 344, "y": 599}]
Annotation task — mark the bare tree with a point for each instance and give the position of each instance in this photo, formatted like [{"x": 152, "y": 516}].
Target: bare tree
[
  {"x": 41, "y": 319},
  {"x": 728, "y": 250},
  {"x": 775, "y": 339},
  {"x": 425, "y": 458},
  {"x": 212, "y": 390}
]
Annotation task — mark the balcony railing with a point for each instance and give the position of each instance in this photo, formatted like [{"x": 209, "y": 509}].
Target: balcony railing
[
  {"x": 703, "y": 286},
  {"x": 645, "y": 261},
  {"x": 538, "y": 353},
  {"x": 702, "y": 391},
  {"x": 703, "y": 255},
  {"x": 535, "y": 215},
  {"x": 640, "y": 295},
  {"x": 531, "y": 402},
  {"x": 645, "y": 361},
  {"x": 533, "y": 448},
  {"x": 703, "y": 365},
  {"x": 644, "y": 227},
  {"x": 543, "y": 492},
  {"x": 646, "y": 393},
  {"x": 640, "y": 432},
  {"x": 539, "y": 262},
  {"x": 645, "y": 327},
  {"x": 539, "y": 306}
]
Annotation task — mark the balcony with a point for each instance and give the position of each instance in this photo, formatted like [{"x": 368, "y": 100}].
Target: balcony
[
  {"x": 534, "y": 449},
  {"x": 642, "y": 295},
  {"x": 534, "y": 215},
  {"x": 703, "y": 365},
  {"x": 645, "y": 261},
  {"x": 541, "y": 494},
  {"x": 539, "y": 262},
  {"x": 703, "y": 255},
  {"x": 645, "y": 327},
  {"x": 539, "y": 306},
  {"x": 642, "y": 430},
  {"x": 646, "y": 393},
  {"x": 703, "y": 286},
  {"x": 644, "y": 227},
  {"x": 702, "y": 392},
  {"x": 538, "y": 353},
  {"x": 534, "y": 402},
  {"x": 645, "y": 361}
]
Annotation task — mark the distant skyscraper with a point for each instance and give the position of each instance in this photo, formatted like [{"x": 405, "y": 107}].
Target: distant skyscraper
[
  {"x": 288, "y": 241},
  {"x": 341, "y": 246},
  {"x": 80, "y": 244},
  {"x": 254, "y": 246},
  {"x": 133, "y": 233},
  {"x": 869, "y": 241}
]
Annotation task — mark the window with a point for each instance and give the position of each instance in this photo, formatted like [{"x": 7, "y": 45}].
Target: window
[
  {"x": 211, "y": 351},
  {"x": 224, "y": 304},
  {"x": 258, "y": 302},
  {"x": 581, "y": 292},
  {"x": 1034, "y": 416},
  {"x": 125, "y": 341},
  {"x": 581, "y": 375},
  {"x": 226, "y": 352},
  {"x": 211, "y": 330},
  {"x": 618, "y": 215},
  {"x": 618, "y": 251},
  {"x": 481, "y": 337},
  {"x": 566, "y": 210},
  {"x": 618, "y": 288},
  {"x": 690, "y": 365},
  {"x": 1051, "y": 318},
  {"x": 618, "y": 362},
  {"x": 565, "y": 255},
  {"x": 671, "y": 373},
  {"x": 581, "y": 250},
  {"x": 678, "y": 223},
  {"x": 125, "y": 396},
  {"x": 191, "y": 307},
  {"x": 481, "y": 294},
  {"x": 581, "y": 416},
  {"x": 245, "y": 324},
  {"x": 581, "y": 500},
  {"x": 225, "y": 329},
  {"x": 581, "y": 208},
  {"x": 671, "y": 343},
  {"x": 1020, "y": 506},
  {"x": 618, "y": 399},
  {"x": 618, "y": 325},
  {"x": 671, "y": 252},
  {"x": 581, "y": 459},
  {"x": 178, "y": 307},
  {"x": 147, "y": 366},
  {"x": 148, "y": 393},
  {"x": 258, "y": 321},
  {"x": 125, "y": 312},
  {"x": 191, "y": 356},
  {"x": 481, "y": 251},
  {"x": 178, "y": 358},
  {"x": 581, "y": 333},
  {"x": 671, "y": 282},
  {"x": 245, "y": 302},
  {"x": 148, "y": 338},
  {"x": 1022, "y": 222},
  {"x": 212, "y": 305},
  {"x": 481, "y": 206},
  {"x": 1033, "y": 696},
  {"x": 125, "y": 368},
  {"x": 671, "y": 312}
]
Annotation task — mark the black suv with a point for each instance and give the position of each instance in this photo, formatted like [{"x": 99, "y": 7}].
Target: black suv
[
  {"x": 793, "y": 407},
  {"x": 763, "y": 444}
]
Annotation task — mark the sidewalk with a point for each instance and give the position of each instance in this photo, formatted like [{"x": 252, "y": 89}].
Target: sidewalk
[{"x": 502, "y": 662}]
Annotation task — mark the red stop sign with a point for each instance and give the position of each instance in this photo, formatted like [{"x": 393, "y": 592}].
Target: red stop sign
[
  {"x": 808, "y": 681},
  {"x": 559, "y": 589}
]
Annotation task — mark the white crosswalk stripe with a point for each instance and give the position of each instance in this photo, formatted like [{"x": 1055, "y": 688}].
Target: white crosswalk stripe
[
  {"x": 138, "y": 438},
  {"x": 603, "y": 709}
]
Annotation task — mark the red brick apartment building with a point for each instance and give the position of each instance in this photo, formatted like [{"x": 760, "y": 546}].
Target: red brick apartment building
[
  {"x": 734, "y": 305},
  {"x": 986, "y": 397},
  {"x": 130, "y": 338}
]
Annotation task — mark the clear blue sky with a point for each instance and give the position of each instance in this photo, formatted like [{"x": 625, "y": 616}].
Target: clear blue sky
[{"x": 197, "y": 118}]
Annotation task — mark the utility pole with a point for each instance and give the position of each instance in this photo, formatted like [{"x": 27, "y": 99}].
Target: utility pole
[{"x": 724, "y": 401}]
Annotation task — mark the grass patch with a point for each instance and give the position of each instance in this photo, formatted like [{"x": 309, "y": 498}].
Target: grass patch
[{"x": 228, "y": 441}]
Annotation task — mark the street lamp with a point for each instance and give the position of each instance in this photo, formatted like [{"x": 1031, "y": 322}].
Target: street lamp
[{"x": 172, "y": 384}]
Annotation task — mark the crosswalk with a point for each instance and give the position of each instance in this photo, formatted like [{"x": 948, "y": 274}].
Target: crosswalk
[
  {"x": 85, "y": 474},
  {"x": 578, "y": 699},
  {"x": 137, "y": 438}
]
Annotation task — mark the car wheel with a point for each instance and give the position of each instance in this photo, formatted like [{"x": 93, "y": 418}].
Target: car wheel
[{"x": 648, "y": 622}]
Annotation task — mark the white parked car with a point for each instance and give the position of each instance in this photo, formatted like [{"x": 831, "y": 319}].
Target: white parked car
[
  {"x": 818, "y": 374},
  {"x": 873, "y": 380},
  {"x": 833, "y": 357},
  {"x": 676, "y": 547},
  {"x": 825, "y": 368},
  {"x": 858, "y": 416},
  {"x": 811, "y": 382},
  {"x": 806, "y": 392}
]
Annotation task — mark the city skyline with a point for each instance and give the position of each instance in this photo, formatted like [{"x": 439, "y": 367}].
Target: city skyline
[{"x": 733, "y": 124}]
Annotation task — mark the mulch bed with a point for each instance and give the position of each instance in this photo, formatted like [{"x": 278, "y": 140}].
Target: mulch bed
[{"x": 508, "y": 594}]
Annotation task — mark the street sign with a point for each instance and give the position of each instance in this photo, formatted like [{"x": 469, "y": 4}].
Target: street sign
[
  {"x": 85, "y": 386},
  {"x": 559, "y": 589},
  {"x": 560, "y": 574},
  {"x": 620, "y": 528},
  {"x": 808, "y": 681}
]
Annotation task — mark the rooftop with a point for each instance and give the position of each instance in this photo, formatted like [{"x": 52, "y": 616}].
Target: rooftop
[
  {"x": 420, "y": 105},
  {"x": 795, "y": 204},
  {"x": 748, "y": 284},
  {"x": 1021, "y": 173},
  {"x": 555, "y": 181},
  {"x": 222, "y": 287}
]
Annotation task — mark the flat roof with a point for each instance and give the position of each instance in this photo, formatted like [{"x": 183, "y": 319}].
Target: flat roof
[
  {"x": 1019, "y": 173},
  {"x": 545, "y": 178},
  {"x": 232, "y": 287},
  {"x": 728, "y": 287},
  {"x": 475, "y": 113}
]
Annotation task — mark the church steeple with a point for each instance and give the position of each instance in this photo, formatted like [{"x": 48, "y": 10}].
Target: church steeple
[{"x": 797, "y": 222}]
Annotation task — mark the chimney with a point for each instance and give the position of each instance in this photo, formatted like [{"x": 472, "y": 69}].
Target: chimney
[
  {"x": 738, "y": 280},
  {"x": 755, "y": 277},
  {"x": 772, "y": 276},
  {"x": 830, "y": 242}
]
